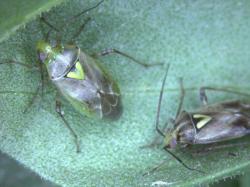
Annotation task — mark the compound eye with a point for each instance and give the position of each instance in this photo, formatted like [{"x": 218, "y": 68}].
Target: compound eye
[
  {"x": 76, "y": 72},
  {"x": 172, "y": 143},
  {"x": 42, "y": 56}
]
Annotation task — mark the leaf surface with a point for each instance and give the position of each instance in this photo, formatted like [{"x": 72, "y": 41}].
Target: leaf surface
[{"x": 206, "y": 43}]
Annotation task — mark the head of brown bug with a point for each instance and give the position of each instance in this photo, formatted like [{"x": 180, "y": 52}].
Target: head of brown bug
[{"x": 210, "y": 124}]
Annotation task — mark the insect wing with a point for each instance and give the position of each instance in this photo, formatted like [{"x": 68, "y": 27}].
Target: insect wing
[
  {"x": 108, "y": 93},
  {"x": 90, "y": 89},
  {"x": 224, "y": 121}
]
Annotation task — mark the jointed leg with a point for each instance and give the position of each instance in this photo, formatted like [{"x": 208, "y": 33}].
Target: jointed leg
[
  {"x": 203, "y": 96},
  {"x": 40, "y": 86},
  {"x": 181, "y": 162},
  {"x": 157, "y": 141},
  {"x": 60, "y": 113},
  {"x": 155, "y": 168},
  {"x": 19, "y": 63},
  {"x": 33, "y": 98},
  {"x": 178, "y": 159},
  {"x": 115, "y": 51}
]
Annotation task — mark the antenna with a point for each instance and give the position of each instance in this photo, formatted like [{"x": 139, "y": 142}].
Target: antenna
[
  {"x": 83, "y": 12},
  {"x": 70, "y": 20},
  {"x": 158, "y": 116},
  {"x": 159, "y": 104}
]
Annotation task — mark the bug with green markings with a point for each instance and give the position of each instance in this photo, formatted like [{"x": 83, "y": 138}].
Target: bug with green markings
[
  {"x": 79, "y": 77},
  {"x": 216, "y": 123}
]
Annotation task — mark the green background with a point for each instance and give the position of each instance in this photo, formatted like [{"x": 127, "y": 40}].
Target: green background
[{"x": 206, "y": 43}]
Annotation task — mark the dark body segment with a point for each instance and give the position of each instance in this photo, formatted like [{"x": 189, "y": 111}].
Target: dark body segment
[{"x": 226, "y": 121}]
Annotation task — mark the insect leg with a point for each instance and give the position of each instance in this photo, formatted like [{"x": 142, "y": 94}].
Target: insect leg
[
  {"x": 60, "y": 113},
  {"x": 40, "y": 86},
  {"x": 155, "y": 168},
  {"x": 203, "y": 96},
  {"x": 177, "y": 158},
  {"x": 181, "y": 162},
  {"x": 115, "y": 51},
  {"x": 19, "y": 63},
  {"x": 157, "y": 141},
  {"x": 157, "y": 121}
]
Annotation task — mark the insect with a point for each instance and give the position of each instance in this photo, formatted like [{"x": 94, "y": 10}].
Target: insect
[
  {"x": 211, "y": 124},
  {"x": 79, "y": 77}
]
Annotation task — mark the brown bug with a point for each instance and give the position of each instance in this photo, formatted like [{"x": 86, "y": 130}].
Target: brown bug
[{"x": 214, "y": 123}]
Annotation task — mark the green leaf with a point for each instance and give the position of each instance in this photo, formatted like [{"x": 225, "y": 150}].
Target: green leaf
[
  {"x": 15, "y": 13},
  {"x": 206, "y": 43}
]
